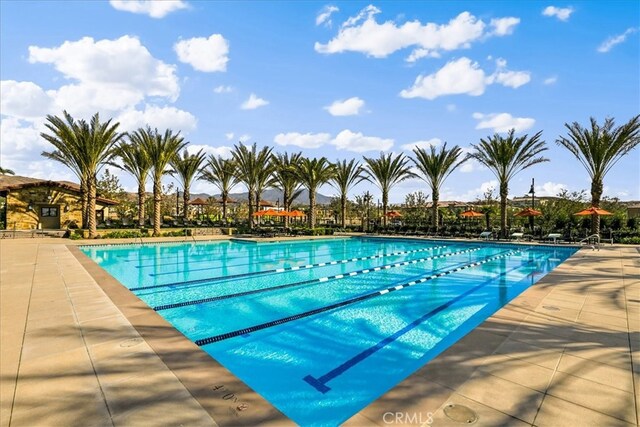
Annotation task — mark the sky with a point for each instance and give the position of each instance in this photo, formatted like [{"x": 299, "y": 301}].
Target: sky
[{"x": 336, "y": 79}]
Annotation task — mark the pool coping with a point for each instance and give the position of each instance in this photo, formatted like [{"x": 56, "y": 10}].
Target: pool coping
[{"x": 148, "y": 323}]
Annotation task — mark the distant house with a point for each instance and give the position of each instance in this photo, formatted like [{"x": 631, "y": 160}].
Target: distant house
[
  {"x": 633, "y": 210},
  {"x": 32, "y": 203}
]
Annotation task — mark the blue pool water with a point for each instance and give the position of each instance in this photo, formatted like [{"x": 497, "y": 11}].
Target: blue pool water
[{"x": 322, "y": 328}]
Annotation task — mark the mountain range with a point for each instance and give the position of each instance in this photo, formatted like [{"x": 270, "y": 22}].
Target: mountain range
[{"x": 271, "y": 195}]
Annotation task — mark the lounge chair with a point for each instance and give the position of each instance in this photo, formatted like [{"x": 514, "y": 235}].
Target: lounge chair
[
  {"x": 517, "y": 236},
  {"x": 486, "y": 235},
  {"x": 553, "y": 236}
]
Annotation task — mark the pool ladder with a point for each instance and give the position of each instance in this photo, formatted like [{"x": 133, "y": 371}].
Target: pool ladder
[{"x": 595, "y": 238}]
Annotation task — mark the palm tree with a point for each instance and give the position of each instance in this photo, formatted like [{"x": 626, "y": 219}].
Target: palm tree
[
  {"x": 387, "y": 171},
  {"x": 250, "y": 164},
  {"x": 91, "y": 147},
  {"x": 347, "y": 174},
  {"x": 264, "y": 177},
  {"x": 134, "y": 159},
  {"x": 312, "y": 174},
  {"x": 187, "y": 167},
  {"x": 221, "y": 173},
  {"x": 161, "y": 149},
  {"x": 599, "y": 149},
  {"x": 286, "y": 179},
  {"x": 64, "y": 137},
  {"x": 435, "y": 167},
  {"x": 5, "y": 171},
  {"x": 506, "y": 157}
]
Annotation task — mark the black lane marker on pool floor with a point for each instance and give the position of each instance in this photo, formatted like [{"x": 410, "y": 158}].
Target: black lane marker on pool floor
[
  {"x": 222, "y": 337},
  {"x": 305, "y": 282},
  {"x": 320, "y": 383},
  {"x": 281, "y": 270}
]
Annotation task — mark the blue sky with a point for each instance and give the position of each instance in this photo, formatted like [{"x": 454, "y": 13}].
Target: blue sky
[{"x": 340, "y": 79}]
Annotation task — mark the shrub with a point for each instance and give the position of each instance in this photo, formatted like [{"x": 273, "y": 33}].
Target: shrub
[
  {"x": 121, "y": 234},
  {"x": 630, "y": 240}
]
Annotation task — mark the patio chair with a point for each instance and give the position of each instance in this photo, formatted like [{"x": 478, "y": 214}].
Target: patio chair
[
  {"x": 553, "y": 236},
  {"x": 517, "y": 236},
  {"x": 486, "y": 235}
]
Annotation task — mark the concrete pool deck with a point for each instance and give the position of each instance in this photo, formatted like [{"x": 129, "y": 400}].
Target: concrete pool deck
[{"x": 79, "y": 349}]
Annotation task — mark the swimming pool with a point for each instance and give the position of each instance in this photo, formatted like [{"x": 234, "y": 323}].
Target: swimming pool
[{"x": 322, "y": 328}]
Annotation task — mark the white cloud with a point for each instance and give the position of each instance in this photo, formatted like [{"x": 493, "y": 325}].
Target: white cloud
[
  {"x": 462, "y": 76},
  {"x": 420, "y": 53},
  {"x": 473, "y": 194},
  {"x": 244, "y": 137},
  {"x": 223, "y": 89},
  {"x": 470, "y": 165},
  {"x": 306, "y": 140},
  {"x": 153, "y": 8},
  {"x": 222, "y": 151},
  {"x": 549, "y": 189},
  {"x": 504, "y": 26},
  {"x": 503, "y": 122},
  {"x": 609, "y": 43},
  {"x": 433, "y": 142},
  {"x": 158, "y": 117},
  {"x": 550, "y": 80},
  {"x": 204, "y": 54},
  {"x": 357, "y": 142},
  {"x": 107, "y": 75},
  {"x": 20, "y": 139},
  {"x": 562, "y": 13},
  {"x": 347, "y": 107},
  {"x": 253, "y": 102},
  {"x": 362, "y": 33},
  {"x": 25, "y": 100},
  {"x": 324, "y": 17},
  {"x": 229, "y": 135}
]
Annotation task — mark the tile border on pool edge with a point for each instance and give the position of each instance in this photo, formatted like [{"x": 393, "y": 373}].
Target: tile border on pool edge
[{"x": 182, "y": 356}]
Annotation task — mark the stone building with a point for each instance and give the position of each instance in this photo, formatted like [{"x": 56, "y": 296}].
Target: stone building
[{"x": 31, "y": 203}]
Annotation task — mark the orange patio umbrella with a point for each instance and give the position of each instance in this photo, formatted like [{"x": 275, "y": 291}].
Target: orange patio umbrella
[
  {"x": 593, "y": 211},
  {"x": 471, "y": 214},
  {"x": 394, "y": 214},
  {"x": 529, "y": 212},
  {"x": 296, "y": 214}
]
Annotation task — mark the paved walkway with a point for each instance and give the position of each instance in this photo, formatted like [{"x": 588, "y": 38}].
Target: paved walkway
[{"x": 565, "y": 352}]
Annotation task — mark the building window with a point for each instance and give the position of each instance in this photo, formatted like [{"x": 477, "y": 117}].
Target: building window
[{"x": 49, "y": 212}]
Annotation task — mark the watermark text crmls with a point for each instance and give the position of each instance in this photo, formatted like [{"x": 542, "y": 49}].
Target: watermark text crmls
[{"x": 419, "y": 418}]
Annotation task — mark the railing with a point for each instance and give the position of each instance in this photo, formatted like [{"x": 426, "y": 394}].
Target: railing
[{"x": 596, "y": 241}]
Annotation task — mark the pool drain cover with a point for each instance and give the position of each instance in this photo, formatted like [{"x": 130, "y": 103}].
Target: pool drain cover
[
  {"x": 131, "y": 342},
  {"x": 460, "y": 414}
]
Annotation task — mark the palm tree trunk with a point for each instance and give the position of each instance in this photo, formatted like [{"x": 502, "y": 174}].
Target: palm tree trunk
[
  {"x": 312, "y": 208},
  {"x": 157, "y": 204},
  {"x": 91, "y": 217},
  {"x": 343, "y": 208},
  {"x": 258, "y": 205},
  {"x": 141, "y": 200},
  {"x": 186, "y": 195},
  {"x": 385, "y": 201},
  {"x": 224, "y": 206},
  {"x": 250, "y": 222},
  {"x": 84, "y": 202},
  {"x": 435, "y": 196},
  {"x": 504, "y": 192},
  {"x": 285, "y": 204},
  {"x": 596, "y": 193}
]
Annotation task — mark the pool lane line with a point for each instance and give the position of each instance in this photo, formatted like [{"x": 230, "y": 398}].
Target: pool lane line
[
  {"x": 306, "y": 282},
  {"x": 244, "y": 331},
  {"x": 257, "y": 263},
  {"x": 284, "y": 269},
  {"x": 176, "y": 257},
  {"x": 320, "y": 383}
]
